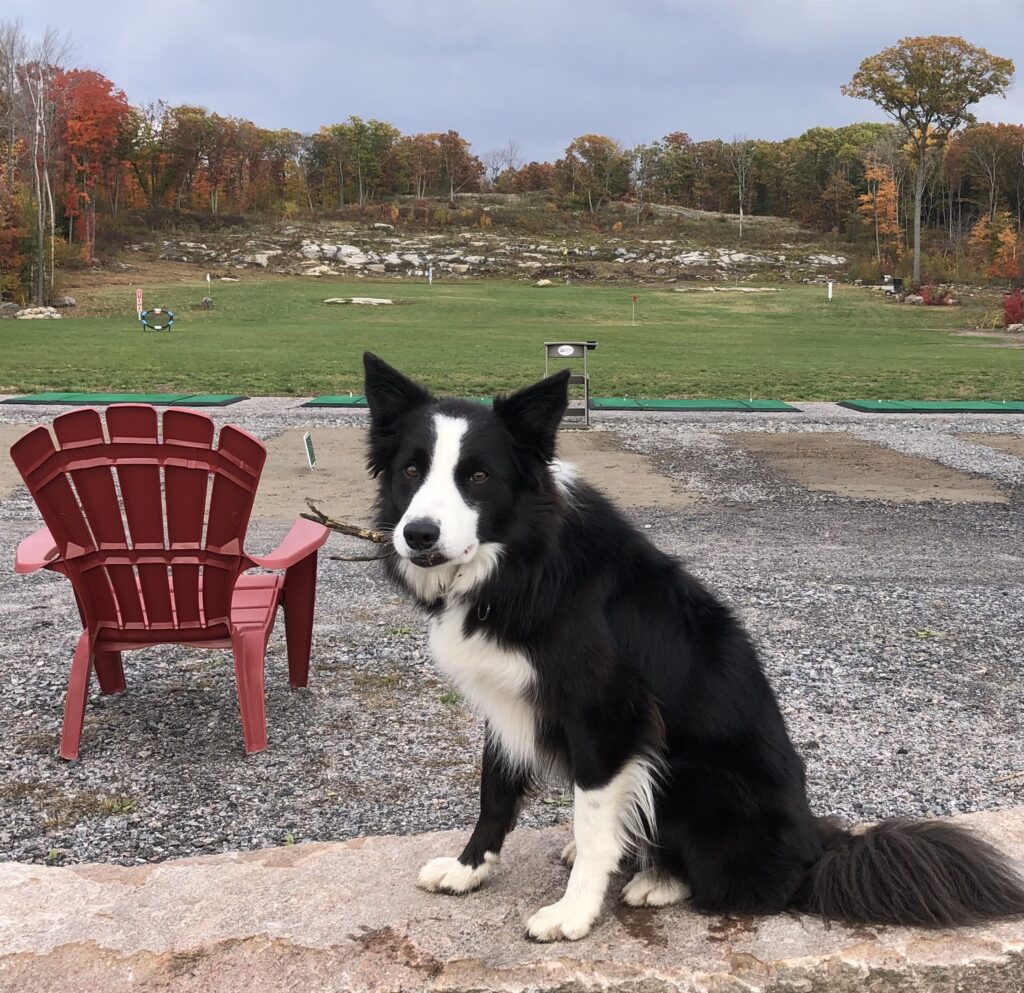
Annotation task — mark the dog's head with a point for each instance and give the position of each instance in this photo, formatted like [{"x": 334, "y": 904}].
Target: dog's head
[{"x": 456, "y": 478}]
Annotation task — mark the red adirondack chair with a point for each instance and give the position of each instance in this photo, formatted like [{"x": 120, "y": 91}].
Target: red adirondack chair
[{"x": 154, "y": 549}]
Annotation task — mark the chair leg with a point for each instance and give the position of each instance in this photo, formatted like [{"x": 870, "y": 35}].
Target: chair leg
[
  {"x": 74, "y": 703},
  {"x": 249, "y": 648},
  {"x": 299, "y": 600},
  {"x": 109, "y": 672}
]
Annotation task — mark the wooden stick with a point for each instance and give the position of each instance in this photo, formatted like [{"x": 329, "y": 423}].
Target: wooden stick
[
  {"x": 367, "y": 534},
  {"x": 1006, "y": 779},
  {"x": 361, "y": 558}
]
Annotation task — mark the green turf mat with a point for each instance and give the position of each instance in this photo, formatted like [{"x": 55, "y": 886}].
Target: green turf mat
[
  {"x": 935, "y": 406},
  {"x": 769, "y": 406},
  {"x": 360, "y": 401},
  {"x": 158, "y": 399},
  {"x": 692, "y": 405},
  {"x": 41, "y": 398},
  {"x": 614, "y": 403},
  {"x": 336, "y": 401},
  {"x": 717, "y": 405},
  {"x": 78, "y": 399},
  {"x": 209, "y": 400}
]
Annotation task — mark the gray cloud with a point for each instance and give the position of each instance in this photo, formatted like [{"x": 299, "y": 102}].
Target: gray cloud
[{"x": 538, "y": 72}]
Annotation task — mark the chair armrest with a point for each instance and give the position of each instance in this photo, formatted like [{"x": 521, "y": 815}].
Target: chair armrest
[
  {"x": 304, "y": 538},
  {"x": 36, "y": 552}
]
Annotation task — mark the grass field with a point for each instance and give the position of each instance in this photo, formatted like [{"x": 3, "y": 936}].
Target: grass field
[{"x": 276, "y": 337}]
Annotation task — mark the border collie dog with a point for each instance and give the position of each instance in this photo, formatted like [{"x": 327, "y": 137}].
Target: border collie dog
[{"x": 592, "y": 655}]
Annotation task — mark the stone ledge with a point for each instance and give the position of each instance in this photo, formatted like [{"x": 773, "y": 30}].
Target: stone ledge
[{"x": 320, "y": 918}]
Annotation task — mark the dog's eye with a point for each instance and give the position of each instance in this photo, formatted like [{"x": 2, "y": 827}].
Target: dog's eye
[
  {"x": 479, "y": 476},
  {"x": 411, "y": 470}
]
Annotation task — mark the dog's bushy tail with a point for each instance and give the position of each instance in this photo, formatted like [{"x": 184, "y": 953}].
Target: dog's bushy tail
[{"x": 922, "y": 873}]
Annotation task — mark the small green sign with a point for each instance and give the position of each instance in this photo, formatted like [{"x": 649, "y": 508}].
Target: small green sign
[{"x": 310, "y": 454}]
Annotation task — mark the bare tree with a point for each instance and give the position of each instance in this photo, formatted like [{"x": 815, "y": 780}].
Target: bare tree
[
  {"x": 44, "y": 58},
  {"x": 494, "y": 163},
  {"x": 986, "y": 150},
  {"x": 513, "y": 155},
  {"x": 12, "y": 55},
  {"x": 499, "y": 161},
  {"x": 645, "y": 161},
  {"x": 741, "y": 157}
]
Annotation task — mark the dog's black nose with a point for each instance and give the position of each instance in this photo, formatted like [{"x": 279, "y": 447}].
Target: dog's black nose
[{"x": 421, "y": 534}]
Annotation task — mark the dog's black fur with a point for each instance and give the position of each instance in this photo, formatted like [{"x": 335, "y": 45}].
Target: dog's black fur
[{"x": 634, "y": 656}]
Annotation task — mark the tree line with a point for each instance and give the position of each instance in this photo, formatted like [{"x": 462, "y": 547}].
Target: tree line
[{"x": 77, "y": 155}]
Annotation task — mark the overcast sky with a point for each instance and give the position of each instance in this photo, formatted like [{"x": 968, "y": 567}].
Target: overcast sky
[{"x": 536, "y": 72}]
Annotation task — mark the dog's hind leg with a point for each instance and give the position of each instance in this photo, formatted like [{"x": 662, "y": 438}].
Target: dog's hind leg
[
  {"x": 501, "y": 791},
  {"x": 606, "y": 821},
  {"x": 654, "y": 888}
]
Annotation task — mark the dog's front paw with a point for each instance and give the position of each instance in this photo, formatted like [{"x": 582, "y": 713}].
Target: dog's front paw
[
  {"x": 448, "y": 875},
  {"x": 567, "y": 920},
  {"x": 568, "y": 856}
]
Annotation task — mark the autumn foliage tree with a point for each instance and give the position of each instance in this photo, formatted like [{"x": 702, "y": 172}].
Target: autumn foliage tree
[
  {"x": 596, "y": 169},
  {"x": 460, "y": 168},
  {"x": 11, "y": 233},
  {"x": 420, "y": 159},
  {"x": 534, "y": 177},
  {"x": 95, "y": 115},
  {"x": 879, "y": 209},
  {"x": 928, "y": 85},
  {"x": 998, "y": 242}
]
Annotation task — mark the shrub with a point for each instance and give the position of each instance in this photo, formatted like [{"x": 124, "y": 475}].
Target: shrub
[{"x": 1013, "y": 308}]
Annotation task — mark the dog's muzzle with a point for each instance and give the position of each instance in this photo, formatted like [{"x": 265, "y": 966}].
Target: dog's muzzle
[{"x": 422, "y": 536}]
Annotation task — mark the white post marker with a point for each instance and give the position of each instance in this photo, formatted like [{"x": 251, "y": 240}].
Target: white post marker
[
  {"x": 830, "y": 289},
  {"x": 430, "y": 276},
  {"x": 307, "y": 444},
  {"x": 138, "y": 302}
]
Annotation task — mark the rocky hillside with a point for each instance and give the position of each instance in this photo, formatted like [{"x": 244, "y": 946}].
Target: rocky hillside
[{"x": 380, "y": 250}]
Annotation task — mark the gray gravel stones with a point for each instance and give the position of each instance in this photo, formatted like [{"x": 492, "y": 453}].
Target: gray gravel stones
[{"x": 893, "y": 634}]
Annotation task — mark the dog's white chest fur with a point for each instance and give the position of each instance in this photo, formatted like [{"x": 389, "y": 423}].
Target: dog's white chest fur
[{"x": 498, "y": 683}]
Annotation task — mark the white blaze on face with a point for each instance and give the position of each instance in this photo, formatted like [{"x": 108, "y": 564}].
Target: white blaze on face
[{"x": 439, "y": 500}]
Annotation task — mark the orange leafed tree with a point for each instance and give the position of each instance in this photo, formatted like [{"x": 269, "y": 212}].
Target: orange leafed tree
[
  {"x": 879, "y": 209},
  {"x": 996, "y": 243},
  {"x": 1006, "y": 261},
  {"x": 11, "y": 261},
  {"x": 95, "y": 115}
]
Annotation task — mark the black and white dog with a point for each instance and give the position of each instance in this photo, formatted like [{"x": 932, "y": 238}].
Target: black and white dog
[{"x": 592, "y": 655}]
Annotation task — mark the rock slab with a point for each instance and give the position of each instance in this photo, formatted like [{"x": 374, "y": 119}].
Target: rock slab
[{"x": 346, "y": 916}]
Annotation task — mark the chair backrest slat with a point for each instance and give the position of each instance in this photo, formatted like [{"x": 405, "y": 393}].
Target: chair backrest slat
[
  {"x": 186, "y": 506},
  {"x": 234, "y": 490},
  {"x": 230, "y": 506},
  {"x": 142, "y": 493},
  {"x": 94, "y": 485},
  {"x": 59, "y": 504},
  {"x": 131, "y": 533}
]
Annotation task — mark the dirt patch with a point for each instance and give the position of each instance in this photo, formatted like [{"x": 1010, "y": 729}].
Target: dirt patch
[
  {"x": 843, "y": 464},
  {"x": 10, "y": 478},
  {"x": 625, "y": 477},
  {"x": 339, "y": 485},
  {"x": 1007, "y": 339},
  {"x": 1012, "y": 444}
]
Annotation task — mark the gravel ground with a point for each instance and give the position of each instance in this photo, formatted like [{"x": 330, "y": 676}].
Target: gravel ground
[{"x": 891, "y": 631}]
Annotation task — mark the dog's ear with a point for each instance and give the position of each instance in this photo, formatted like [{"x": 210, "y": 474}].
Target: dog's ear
[
  {"x": 533, "y": 413},
  {"x": 389, "y": 394}
]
